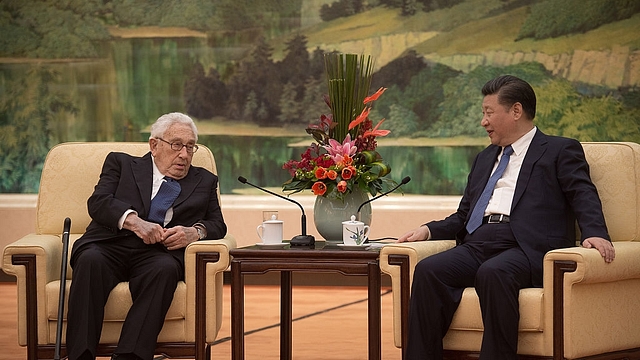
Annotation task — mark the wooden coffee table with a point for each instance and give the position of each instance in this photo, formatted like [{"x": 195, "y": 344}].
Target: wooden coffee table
[{"x": 323, "y": 257}]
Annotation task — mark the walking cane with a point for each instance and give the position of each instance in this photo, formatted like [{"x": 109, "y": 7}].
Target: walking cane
[{"x": 63, "y": 285}]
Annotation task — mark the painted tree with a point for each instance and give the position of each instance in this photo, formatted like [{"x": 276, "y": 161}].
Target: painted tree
[
  {"x": 27, "y": 114},
  {"x": 205, "y": 96}
]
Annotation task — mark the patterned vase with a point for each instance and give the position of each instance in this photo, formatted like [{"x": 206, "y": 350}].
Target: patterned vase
[{"x": 328, "y": 214}]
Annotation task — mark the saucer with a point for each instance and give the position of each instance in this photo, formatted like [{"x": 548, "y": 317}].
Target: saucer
[
  {"x": 275, "y": 246},
  {"x": 354, "y": 247}
]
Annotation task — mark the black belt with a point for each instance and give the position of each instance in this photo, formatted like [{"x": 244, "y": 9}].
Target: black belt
[{"x": 495, "y": 219}]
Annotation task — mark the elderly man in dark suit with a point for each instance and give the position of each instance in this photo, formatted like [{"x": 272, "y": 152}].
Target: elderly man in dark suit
[
  {"x": 144, "y": 211},
  {"x": 504, "y": 225}
]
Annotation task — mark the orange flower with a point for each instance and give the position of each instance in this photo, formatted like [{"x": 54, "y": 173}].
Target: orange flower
[
  {"x": 348, "y": 172},
  {"x": 375, "y": 96},
  {"x": 342, "y": 186},
  {"x": 321, "y": 173},
  {"x": 332, "y": 174},
  {"x": 319, "y": 188},
  {"x": 346, "y": 160}
]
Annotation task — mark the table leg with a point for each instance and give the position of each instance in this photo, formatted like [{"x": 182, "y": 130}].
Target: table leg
[
  {"x": 374, "y": 304},
  {"x": 237, "y": 312},
  {"x": 286, "y": 316}
]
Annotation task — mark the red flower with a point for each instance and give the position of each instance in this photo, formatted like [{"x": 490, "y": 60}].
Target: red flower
[
  {"x": 332, "y": 174},
  {"x": 324, "y": 160},
  {"x": 319, "y": 188},
  {"x": 375, "y": 96},
  {"x": 342, "y": 186},
  {"x": 348, "y": 172},
  {"x": 321, "y": 173},
  {"x": 363, "y": 115},
  {"x": 376, "y": 132}
]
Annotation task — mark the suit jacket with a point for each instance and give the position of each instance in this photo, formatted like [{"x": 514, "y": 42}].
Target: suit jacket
[
  {"x": 126, "y": 183},
  {"x": 553, "y": 190}
]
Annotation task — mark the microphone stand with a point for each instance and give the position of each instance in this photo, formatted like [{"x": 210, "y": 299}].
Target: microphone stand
[
  {"x": 63, "y": 285},
  {"x": 298, "y": 240},
  {"x": 405, "y": 180}
]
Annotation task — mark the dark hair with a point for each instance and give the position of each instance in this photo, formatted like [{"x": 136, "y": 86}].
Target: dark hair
[{"x": 511, "y": 90}]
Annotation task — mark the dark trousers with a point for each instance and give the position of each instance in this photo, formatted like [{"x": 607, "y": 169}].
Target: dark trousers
[
  {"x": 153, "y": 275},
  {"x": 489, "y": 260}
]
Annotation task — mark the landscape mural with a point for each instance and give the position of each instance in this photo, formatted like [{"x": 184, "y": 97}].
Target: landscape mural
[{"x": 251, "y": 73}]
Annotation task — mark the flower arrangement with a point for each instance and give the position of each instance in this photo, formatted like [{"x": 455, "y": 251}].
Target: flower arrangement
[{"x": 344, "y": 154}]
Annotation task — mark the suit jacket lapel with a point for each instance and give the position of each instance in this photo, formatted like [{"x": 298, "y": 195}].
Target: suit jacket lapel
[
  {"x": 142, "y": 170},
  {"x": 188, "y": 184},
  {"x": 484, "y": 166},
  {"x": 537, "y": 148}
]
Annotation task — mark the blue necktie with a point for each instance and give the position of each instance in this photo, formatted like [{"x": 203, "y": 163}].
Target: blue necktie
[
  {"x": 475, "y": 220},
  {"x": 167, "y": 194}
]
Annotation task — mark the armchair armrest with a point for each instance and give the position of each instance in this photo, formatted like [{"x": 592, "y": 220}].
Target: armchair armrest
[
  {"x": 205, "y": 262},
  {"x": 591, "y": 268},
  {"x": 47, "y": 250},
  {"x": 35, "y": 261},
  {"x": 416, "y": 251},
  {"x": 596, "y": 298},
  {"x": 221, "y": 246},
  {"x": 399, "y": 262}
]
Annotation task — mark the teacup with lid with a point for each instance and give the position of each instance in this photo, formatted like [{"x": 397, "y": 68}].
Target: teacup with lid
[
  {"x": 354, "y": 232},
  {"x": 271, "y": 231}
]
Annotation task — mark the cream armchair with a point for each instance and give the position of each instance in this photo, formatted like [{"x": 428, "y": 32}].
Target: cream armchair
[
  {"x": 70, "y": 173},
  {"x": 586, "y": 308}
]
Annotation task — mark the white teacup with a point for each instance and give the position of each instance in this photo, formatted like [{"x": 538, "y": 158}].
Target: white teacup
[
  {"x": 354, "y": 232},
  {"x": 271, "y": 231}
]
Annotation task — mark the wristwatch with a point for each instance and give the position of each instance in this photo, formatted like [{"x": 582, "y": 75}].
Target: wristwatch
[{"x": 200, "y": 230}]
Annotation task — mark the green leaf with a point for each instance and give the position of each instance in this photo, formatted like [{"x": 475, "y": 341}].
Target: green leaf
[{"x": 348, "y": 79}]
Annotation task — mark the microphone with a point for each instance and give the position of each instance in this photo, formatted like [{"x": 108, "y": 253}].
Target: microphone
[
  {"x": 298, "y": 240},
  {"x": 405, "y": 180}
]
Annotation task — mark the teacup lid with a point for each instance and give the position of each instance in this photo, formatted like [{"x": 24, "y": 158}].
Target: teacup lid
[
  {"x": 352, "y": 221},
  {"x": 274, "y": 220}
]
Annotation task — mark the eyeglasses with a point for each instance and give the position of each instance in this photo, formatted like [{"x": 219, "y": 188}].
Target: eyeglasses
[{"x": 176, "y": 146}]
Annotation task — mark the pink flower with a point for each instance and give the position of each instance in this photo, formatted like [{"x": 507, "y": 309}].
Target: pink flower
[{"x": 338, "y": 151}]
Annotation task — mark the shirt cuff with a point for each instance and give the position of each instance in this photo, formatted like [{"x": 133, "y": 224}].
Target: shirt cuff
[{"x": 124, "y": 217}]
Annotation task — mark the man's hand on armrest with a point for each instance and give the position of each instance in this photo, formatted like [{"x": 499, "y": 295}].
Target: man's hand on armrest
[
  {"x": 418, "y": 234},
  {"x": 604, "y": 247}
]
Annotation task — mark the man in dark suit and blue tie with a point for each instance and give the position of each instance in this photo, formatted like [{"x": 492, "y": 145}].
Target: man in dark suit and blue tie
[
  {"x": 504, "y": 225},
  {"x": 145, "y": 211}
]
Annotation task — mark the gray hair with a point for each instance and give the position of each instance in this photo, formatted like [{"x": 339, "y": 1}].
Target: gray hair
[{"x": 165, "y": 121}]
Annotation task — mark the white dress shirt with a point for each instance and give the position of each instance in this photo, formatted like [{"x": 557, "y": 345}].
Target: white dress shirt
[{"x": 502, "y": 197}]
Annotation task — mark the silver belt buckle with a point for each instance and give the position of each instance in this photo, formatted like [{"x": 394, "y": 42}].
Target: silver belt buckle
[{"x": 491, "y": 217}]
